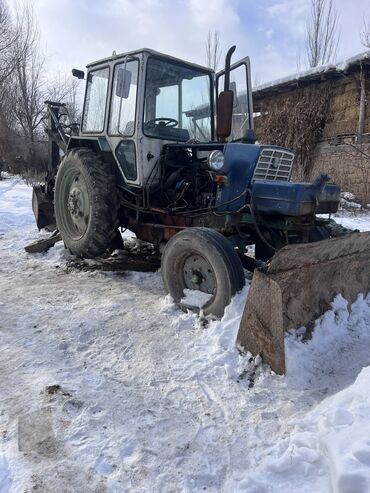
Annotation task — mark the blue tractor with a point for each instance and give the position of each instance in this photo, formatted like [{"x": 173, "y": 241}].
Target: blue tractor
[{"x": 166, "y": 148}]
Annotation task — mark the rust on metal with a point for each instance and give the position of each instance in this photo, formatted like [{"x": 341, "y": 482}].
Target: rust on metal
[
  {"x": 157, "y": 232},
  {"x": 42, "y": 246},
  {"x": 43, "y": 209},
  {"x": 298, "y": 286}
]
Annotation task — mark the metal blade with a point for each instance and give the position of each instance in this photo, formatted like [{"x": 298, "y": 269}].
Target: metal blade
[{"x": 298, "y": 286}]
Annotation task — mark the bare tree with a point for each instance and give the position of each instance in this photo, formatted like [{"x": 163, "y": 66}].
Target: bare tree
[
  {"x": 8, "y": 42},
  {"x": 8, "y": 142},
  {"x": 29, "y": 92},
  {"x": 66, "y": 89},
  {"x": 213, "y": 50},
  {"x": 365, "y": 33},
  {"x": 15, "y": 37},
  {"x": 73, "y": 100},
  {"x": 322, "y": 33},
  {"x": 12, "y": 46},
  {"x": 8, "y": 130},
  {"x": 26, "y": 90},
  {"x": 256, "y": 79},
  {"x": 23, "y": 90}
]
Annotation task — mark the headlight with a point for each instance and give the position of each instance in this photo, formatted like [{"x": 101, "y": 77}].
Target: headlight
[{"x": 216, "y": 160}]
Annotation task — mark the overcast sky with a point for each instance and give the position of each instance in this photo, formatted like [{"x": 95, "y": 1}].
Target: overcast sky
[{"x": 271, "y": 32}]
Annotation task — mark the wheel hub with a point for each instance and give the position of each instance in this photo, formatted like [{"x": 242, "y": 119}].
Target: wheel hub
[
  {"x": 76, "y": 210},
  {"x": 198, "y": 274},
  {"x": 74, "y": 202},
  {"x": 196, "y": 277}
]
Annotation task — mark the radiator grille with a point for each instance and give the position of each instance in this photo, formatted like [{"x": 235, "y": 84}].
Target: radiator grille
[{"x": 274, "y": 164}]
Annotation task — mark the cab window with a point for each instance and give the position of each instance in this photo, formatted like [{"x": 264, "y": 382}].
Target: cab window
[
  {"x": 123, "y": 109},
  {"x": 95, "y": 101},
  {"x": 177, "y": 102}
]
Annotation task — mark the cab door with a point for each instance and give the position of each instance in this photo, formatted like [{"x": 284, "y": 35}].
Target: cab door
[{"x": 240, "y": 84}]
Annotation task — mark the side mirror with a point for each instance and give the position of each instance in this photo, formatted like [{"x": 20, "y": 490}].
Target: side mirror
[
  {"x": 123, "y": 83},
  {"x": 224, "y": 114},
  {"x": 80, "y": 74}
]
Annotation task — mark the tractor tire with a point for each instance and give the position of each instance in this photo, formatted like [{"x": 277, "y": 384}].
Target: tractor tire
[
  {"x": 86, "y": 203},
  {"x": 202, "y": 259}
]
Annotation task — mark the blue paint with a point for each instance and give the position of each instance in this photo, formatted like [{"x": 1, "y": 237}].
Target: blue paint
[
  {"x": 270, "y": 197},
  {"x": 240, "y": 161},
  {"x": 294, "y": 199}
]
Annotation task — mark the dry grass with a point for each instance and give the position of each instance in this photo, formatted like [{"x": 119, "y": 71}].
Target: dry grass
[{"x": 296, "y": 120}]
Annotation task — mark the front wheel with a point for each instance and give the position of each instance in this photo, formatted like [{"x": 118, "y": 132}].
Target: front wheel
[{"x": 201, "y": 270}]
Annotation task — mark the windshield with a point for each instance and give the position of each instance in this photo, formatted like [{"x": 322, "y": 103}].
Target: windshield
[{"x": 177, "y": 102}]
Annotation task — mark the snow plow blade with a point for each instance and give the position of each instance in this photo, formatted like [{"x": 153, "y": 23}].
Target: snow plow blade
[
  {"x": 297, "y": 287},
  {"x": 43, "y": 209}
]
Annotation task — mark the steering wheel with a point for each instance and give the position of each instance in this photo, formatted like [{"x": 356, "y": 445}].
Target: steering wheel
[{"x": 168, "y": 122}]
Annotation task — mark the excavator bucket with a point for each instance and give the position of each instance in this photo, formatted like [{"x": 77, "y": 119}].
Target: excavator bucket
[
  {"x": 43, "y": 209},
  {"x": 297, "y": 286}
]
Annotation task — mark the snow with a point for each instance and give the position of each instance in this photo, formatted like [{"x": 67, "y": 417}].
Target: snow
[
  {"x": 291, "y": 78},
  {"x": 355, "y": 220},
  {"x": 321, "y": 69},
  {"x": 329, "y": 448},
  {"x": 365, "y": 55},
  {"x": 351, "y": 214},
  {"x": 194, "y": 297},
  {"x": 15, "y": 204},
  {"x": 333, "y": 437},
  {"x": 105, "y": 385}
]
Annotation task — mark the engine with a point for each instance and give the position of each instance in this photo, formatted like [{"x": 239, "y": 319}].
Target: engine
[{"x": 186, "y": 182}]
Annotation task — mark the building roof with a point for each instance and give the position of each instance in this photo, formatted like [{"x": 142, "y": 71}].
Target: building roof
[{"x": 323, "y": 72}]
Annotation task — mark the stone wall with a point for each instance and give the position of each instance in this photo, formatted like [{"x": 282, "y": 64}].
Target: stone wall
[
  {"x": 347, "y": 164},
  {"x": 343, "y": 110}
]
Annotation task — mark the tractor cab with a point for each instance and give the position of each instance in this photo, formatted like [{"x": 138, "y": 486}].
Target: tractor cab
[{"x": 137, "y": 103}]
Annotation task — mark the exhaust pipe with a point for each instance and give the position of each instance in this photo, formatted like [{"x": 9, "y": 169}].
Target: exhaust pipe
[{"x": 227, "y": 68}]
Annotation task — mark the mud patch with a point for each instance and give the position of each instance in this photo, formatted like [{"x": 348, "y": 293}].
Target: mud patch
[
  {"x": 36, "y": 434},
  {"x": 56, "y": 389},
  {"x": 124, "y": 261}
]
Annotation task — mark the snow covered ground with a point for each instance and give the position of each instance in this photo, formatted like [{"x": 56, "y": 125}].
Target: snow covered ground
[{"x": 105, "y": 386}]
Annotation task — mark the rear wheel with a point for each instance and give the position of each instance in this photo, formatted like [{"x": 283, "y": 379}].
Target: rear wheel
[
  {"x": 86, "y": 205},
  {"x": 200, "y": 269}
]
